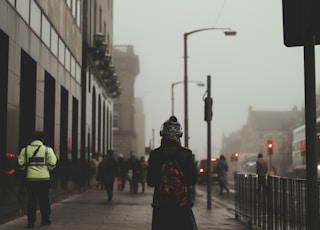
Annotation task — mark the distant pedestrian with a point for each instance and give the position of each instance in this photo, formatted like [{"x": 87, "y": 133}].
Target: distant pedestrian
[
  {"x": 222, "y": 169},
  {"x": 108, "y": 170},
  {"x": 261, "y": 170},
  {"x": 100, "y": 184},
  {"x": 136, "y": 174},
  {"x": 37, "y": 160},
  {"x": 129, "y": 163},
  {"x": 123, "y": 171},
  {"x": 171, "y": 171},
  {"x": 143, "y": 176}
]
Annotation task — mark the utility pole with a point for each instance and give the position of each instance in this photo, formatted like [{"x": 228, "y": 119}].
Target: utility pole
[
  {"x": 208, "y": 118},
  {"x": 300, "y": 24}
]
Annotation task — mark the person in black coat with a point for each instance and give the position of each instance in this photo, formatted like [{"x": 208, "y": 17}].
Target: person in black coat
[
  {"x": 123, "y": 170},
  {"x": 171, "y": 217},
  {"x": 108, "y": 170}
]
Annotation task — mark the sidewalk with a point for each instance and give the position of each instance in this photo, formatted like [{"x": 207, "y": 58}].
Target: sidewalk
[{"x": 91, "y": 210}]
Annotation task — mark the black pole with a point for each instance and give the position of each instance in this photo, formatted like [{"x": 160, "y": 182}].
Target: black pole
[
  {"x": 186, "y": 117},
  {"x": 312, "y": 210},
  {"x": 209, "y": 142}
]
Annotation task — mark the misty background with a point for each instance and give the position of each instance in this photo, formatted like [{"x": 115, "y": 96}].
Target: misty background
[{"x": 253, "y": 68}]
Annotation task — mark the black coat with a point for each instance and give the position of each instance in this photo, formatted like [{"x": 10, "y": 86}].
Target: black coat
[
  {"x": 108, "y": 169},
  {"x": 166, "y": 218}
]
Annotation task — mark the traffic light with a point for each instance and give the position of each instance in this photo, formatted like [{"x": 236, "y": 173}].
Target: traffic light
[
  {"x": 235, "y": 156},
  {"x": 270, "y": 147},
  {"x": 208, "y": 109}
]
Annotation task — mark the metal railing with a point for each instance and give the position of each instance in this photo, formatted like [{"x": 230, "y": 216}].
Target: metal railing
[{"x": 282, "y": 205}]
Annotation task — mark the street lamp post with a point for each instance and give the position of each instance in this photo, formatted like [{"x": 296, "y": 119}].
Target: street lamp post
[
  {"x": 199, "y": 83},
  {"x": 228, "y": 32}
]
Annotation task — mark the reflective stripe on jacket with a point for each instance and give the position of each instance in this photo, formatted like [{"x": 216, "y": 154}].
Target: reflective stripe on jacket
[{"x": 39, "y": 166}]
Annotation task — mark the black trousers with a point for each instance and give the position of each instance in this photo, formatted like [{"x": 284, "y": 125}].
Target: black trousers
[
  {"x": 109, "y": 182},
  {"x": 172, "y": 218},
  {"x": 38, "y": 192}
]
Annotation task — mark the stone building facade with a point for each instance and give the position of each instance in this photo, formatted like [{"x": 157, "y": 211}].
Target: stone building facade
[
  {"x": 262, "y": 126},
  {"x": 127, "y": 110}
]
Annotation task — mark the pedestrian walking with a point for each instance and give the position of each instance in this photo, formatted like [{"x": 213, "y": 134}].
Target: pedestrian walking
[
  {"x": 171, "y": 171},
  {"x": 123, "y": 171},
  {"x": 261, "y": 170},
  {"x": 108, "y": 170},
  {"x": 136, "y": 174},
  {"x": 37, "y": 160},
  {"x": 129, "y": 163},
  {"x": 222, "y": 169},
  {"x": 143, "y": 176},
  {"x": 100, "y": 184}
]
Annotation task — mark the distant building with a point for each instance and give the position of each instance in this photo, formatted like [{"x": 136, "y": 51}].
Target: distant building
[
  {"x": 262, "y": 126},
  {"x": 140, "y": 126},
  {"x": 128, "y": 115}
]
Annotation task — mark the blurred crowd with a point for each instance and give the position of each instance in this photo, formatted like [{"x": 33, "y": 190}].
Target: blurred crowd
[{"x": 130, "y": 171}]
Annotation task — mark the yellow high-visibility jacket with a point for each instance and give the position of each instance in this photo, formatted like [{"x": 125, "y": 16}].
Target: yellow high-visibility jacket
[{"x": 44, "y": 161}]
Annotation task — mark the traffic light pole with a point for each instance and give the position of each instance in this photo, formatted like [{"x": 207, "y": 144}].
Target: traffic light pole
[
  {"x": 312, "y": 209},
  {"x": 300, "y": 19},
  {"x": 208, "y": 117}
]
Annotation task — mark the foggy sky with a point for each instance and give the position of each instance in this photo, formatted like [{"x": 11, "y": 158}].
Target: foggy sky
[{"x": 253, "y": 68}]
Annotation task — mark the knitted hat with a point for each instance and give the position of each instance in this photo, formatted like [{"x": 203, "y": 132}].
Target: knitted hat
[{"x": 171, "y": 127}]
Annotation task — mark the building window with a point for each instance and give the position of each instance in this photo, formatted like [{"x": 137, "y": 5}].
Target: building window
[
  {"x": 89, "y": 80},
  {"x": 45, "y": 31},
  {"x": 69, "y": 3},
  {"x": 74, "y": 3},
  {"x": 35, "y": 18},
  {"x": 67, "y": 63},
  {"x": 54, "y": 42},
  {"x": 12, "y": 2},
  {"x": 23, "y": 8},
  {"x": 100, "y": 19},
  {"x": 95, "y": 16},
  {"x": 78, "y": 73},
  {"x": 105, "y": 31},
  {"x": 4, "y": 119},
  {"x": 61, "y": 51},
  {"x": 73, "y": 67},
  {"x": 64, "y": 105},
  {"x": 116, "y": 121},
  {"x": 78, "y": 13}
]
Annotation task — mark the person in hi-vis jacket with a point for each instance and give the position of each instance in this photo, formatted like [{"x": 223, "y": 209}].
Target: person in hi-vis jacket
[{"x": 38, "y": 160}]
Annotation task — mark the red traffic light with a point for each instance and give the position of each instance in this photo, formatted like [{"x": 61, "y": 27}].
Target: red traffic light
[
  {"x": 235, "y": 156},
  {"x": 270, "y": 147}
]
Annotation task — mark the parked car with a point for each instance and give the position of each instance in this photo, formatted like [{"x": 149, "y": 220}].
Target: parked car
[{"x": 202, "y": 171}]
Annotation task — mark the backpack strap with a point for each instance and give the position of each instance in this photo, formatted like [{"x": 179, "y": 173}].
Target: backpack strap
[
  {"x": 25, "y": 155},
  {"x": 31, "y": 158},
  {"x": 46, "y": 156}
]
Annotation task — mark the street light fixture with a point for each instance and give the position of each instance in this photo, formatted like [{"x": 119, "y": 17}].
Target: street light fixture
[
  {"x": 199, "y": 83},
  {"x": 228, "y": 32}
]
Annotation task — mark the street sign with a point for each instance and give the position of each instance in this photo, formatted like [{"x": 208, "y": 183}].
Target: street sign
[{"x": 293, "y": 21}]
